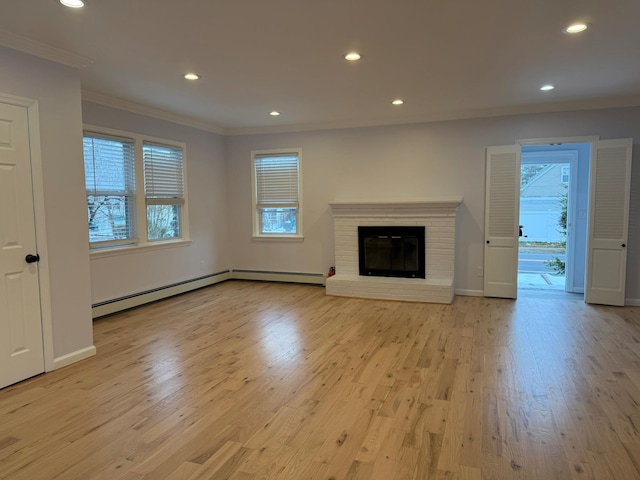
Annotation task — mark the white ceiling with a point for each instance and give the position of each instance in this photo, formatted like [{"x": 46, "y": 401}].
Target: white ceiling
[{"x": 447, "y": 58}]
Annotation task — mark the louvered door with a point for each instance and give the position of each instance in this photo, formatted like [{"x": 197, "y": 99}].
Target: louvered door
[
  {"x": 608, "y": 222},
  {"x": 502, "y": 205}
]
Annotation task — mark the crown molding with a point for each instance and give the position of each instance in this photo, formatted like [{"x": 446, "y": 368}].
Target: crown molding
[
  {"x": 593, "y": 104},
  {"x": 42, "y": 50},
  {"x": 428, "y": 207},
  {"x": 133, "y": 107},
  {"x": 129, "y": 106}
]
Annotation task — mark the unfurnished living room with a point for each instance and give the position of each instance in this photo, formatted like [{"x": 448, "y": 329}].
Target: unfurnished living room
[{"x": 284, "y": 239}]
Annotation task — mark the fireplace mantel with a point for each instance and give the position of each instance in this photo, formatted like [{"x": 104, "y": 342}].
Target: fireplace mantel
[
  {"x": 444, "y": 205},
  {"x": 437, "y": 215}
]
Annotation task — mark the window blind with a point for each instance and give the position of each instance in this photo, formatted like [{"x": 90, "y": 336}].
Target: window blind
[
  {"x": 163, "y": 174},
  {"x": 109, "y": 165},
  {"x": 110, "y": 183},
  {"x": 277, "y": 182}
]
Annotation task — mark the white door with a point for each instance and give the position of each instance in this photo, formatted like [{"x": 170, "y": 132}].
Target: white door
[
  {"x": 21, "y": 348},
  {"x": 502, "y": 208},
  {"x": 608, "y": 222}
]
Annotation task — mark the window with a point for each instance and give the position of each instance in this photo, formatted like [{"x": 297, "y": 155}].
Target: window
[
  {"x": 111, "y": 189},
  {"x": 163, "y": 190},
  {"x": 277, "y": 193},
  {"x": 564, "y": 174},
  {"x": 117, "y": 166}
]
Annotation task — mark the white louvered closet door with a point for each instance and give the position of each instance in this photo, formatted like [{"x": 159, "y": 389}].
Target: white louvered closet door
[
  {"x": 608, "y": 222},
  {"x": 502, "y": 206}
]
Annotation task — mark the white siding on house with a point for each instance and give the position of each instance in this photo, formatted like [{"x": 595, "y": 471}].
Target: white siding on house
[
  {"x": 546, "y": 184},
  {"x": 540, "y": 206}
]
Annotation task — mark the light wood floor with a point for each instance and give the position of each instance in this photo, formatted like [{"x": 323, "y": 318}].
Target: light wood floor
[{"x": 251, "y": 381}]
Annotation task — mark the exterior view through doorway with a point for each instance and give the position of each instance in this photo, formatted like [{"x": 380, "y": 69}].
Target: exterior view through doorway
[
  {"x": 554, "y": 184},
  {"x": 601, "y": 209}
]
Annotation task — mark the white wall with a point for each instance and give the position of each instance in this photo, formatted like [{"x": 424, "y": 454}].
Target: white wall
[
  {"x": 378, "y": 163},
  {"x": 136, "y": 271},
  {"x": 406, "y": 162},
  {"x": 57, "y": 90}
]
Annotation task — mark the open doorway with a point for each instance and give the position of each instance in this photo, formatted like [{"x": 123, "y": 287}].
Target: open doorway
[
  {"x": 554, "y": 185},
  {"x": 597, "y": 213}
]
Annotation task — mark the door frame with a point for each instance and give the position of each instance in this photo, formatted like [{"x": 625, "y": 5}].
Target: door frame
[
  {"x": 37, "y": 181},
  {"x": 590, "y": 139},
  {"x": 571, "y": 158}
]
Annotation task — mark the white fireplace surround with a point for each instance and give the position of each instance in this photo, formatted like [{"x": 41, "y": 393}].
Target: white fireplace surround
[{"x": 438, "y": 216}]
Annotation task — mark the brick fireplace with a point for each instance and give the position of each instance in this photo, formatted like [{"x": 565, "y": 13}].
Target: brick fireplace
[{"x": 437, "y": 216}]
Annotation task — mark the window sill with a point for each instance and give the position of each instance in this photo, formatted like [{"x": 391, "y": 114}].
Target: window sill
[
  {"x": 278, "y": 238},
  {"x": 130, "y": 249}
]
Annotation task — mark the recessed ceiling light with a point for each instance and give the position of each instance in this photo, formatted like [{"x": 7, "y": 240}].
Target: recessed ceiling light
[
  {"x": 575, "y": 28},
  {"x": 546, "y": 88},
  {"x": 352, "y": 56},
  {"x": 398, "y": 101},
  {"x": 72, "y": 3},
  {"x": 192, "y": 76},
  {"x": 274, "y": 113}
]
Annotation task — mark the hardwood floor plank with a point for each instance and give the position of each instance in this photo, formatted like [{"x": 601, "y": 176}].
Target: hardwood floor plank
[{"x": 258, "y": 381}]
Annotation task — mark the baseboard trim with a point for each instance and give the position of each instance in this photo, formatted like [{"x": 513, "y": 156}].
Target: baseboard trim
[
  {"x": 469, "y": 293},
  {"x": 73, "y": 357},
  {"x": 632, "y": 302},
  {"x": 312, "y": 278},
  {"x": 124, "y": 303}
]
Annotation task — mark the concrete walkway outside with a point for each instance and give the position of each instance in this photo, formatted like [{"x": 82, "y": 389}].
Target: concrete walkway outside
[
  {"x": 544, "y": 285},
  {"x": 541, "y": 281}
]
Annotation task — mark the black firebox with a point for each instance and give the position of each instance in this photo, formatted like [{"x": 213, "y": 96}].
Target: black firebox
[{"x": 392, "y": 251}]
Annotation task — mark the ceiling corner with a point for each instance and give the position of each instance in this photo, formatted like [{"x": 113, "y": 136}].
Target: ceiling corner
[{"x": 42, "y": 50}]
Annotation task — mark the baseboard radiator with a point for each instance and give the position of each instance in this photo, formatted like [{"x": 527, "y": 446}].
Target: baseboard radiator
[
  {"x": 130, "y": 301},
  {"x": 312, "y": 278},
  {"x": 137, "y": 299}
]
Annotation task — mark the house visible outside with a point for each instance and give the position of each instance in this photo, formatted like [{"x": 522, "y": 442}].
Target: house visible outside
[
  {"x": 540, "y": 208},
  {"x": 543, "y": 197}
]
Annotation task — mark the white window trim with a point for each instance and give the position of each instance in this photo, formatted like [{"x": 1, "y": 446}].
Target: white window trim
[
  {"x": 129, "y": 249},
  {"x": 142, "y": 242},
  {"x": 257, "y": 235}
]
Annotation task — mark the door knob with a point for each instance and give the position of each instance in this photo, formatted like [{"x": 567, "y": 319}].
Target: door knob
[
  {"x": 32, "y": 258},
  {"x": 624, "y": 245}
]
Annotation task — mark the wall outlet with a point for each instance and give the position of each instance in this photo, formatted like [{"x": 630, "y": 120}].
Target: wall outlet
[
  {"x": 480, "y": 272},
  {"x": 201, "y": 264}
]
